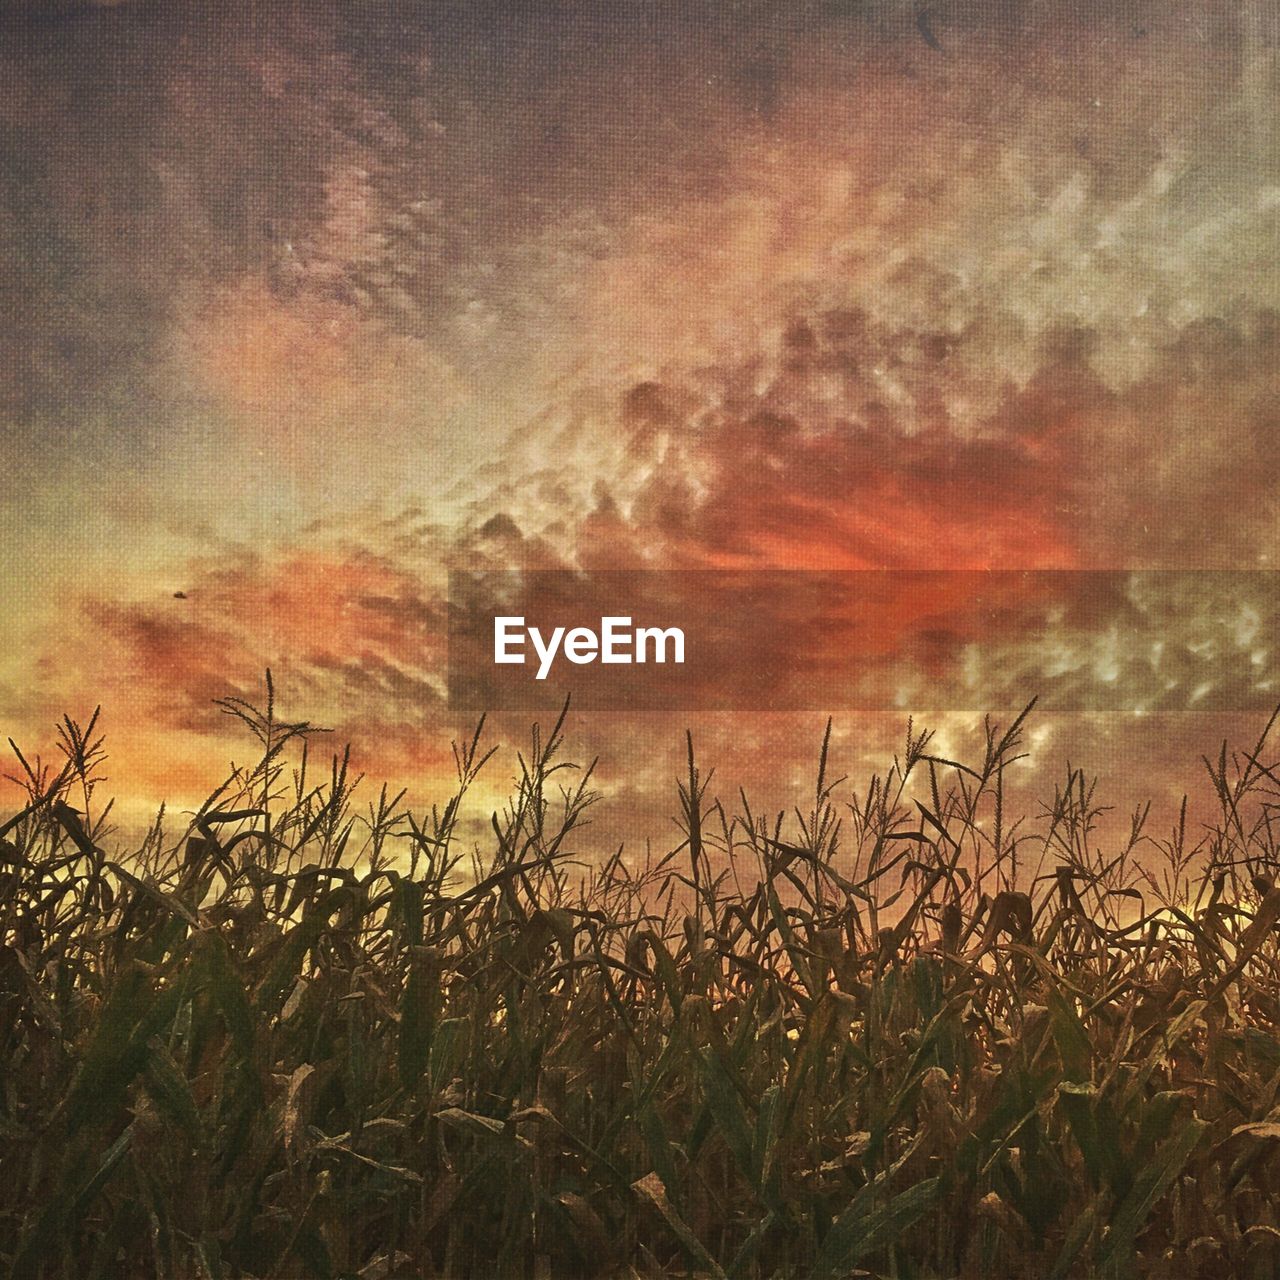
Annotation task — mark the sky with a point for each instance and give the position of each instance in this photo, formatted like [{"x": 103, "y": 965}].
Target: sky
[{"x": 304, "y": 304}]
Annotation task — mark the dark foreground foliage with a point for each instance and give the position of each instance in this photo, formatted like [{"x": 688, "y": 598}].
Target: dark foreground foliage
[{"x": 899, "y": 1037}]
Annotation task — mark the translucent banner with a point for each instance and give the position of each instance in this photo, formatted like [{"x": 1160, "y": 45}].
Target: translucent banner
[{"x": 780, "y": 640}]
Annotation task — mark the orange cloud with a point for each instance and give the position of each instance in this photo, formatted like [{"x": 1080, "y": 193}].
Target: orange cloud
[
  {"x": 314, "y": 378},
  {"x": 352, "y": 637}
]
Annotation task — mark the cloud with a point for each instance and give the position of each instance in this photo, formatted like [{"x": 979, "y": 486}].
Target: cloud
[
  {"x": 354, "y": 638},
  {"x": 807, "y": 295}
]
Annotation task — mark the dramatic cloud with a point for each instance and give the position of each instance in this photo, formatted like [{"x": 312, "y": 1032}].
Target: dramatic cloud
[{"x": 767, "y": 286}]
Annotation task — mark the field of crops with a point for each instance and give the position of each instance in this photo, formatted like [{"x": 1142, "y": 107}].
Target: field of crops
[{"x": 894, "y": 1033}]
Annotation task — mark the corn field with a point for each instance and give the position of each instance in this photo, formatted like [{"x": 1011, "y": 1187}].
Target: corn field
[{"x": 896, "y": 1033}]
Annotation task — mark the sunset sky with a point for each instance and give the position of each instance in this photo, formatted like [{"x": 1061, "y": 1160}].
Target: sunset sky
[{"x": 304, "y": 304}]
